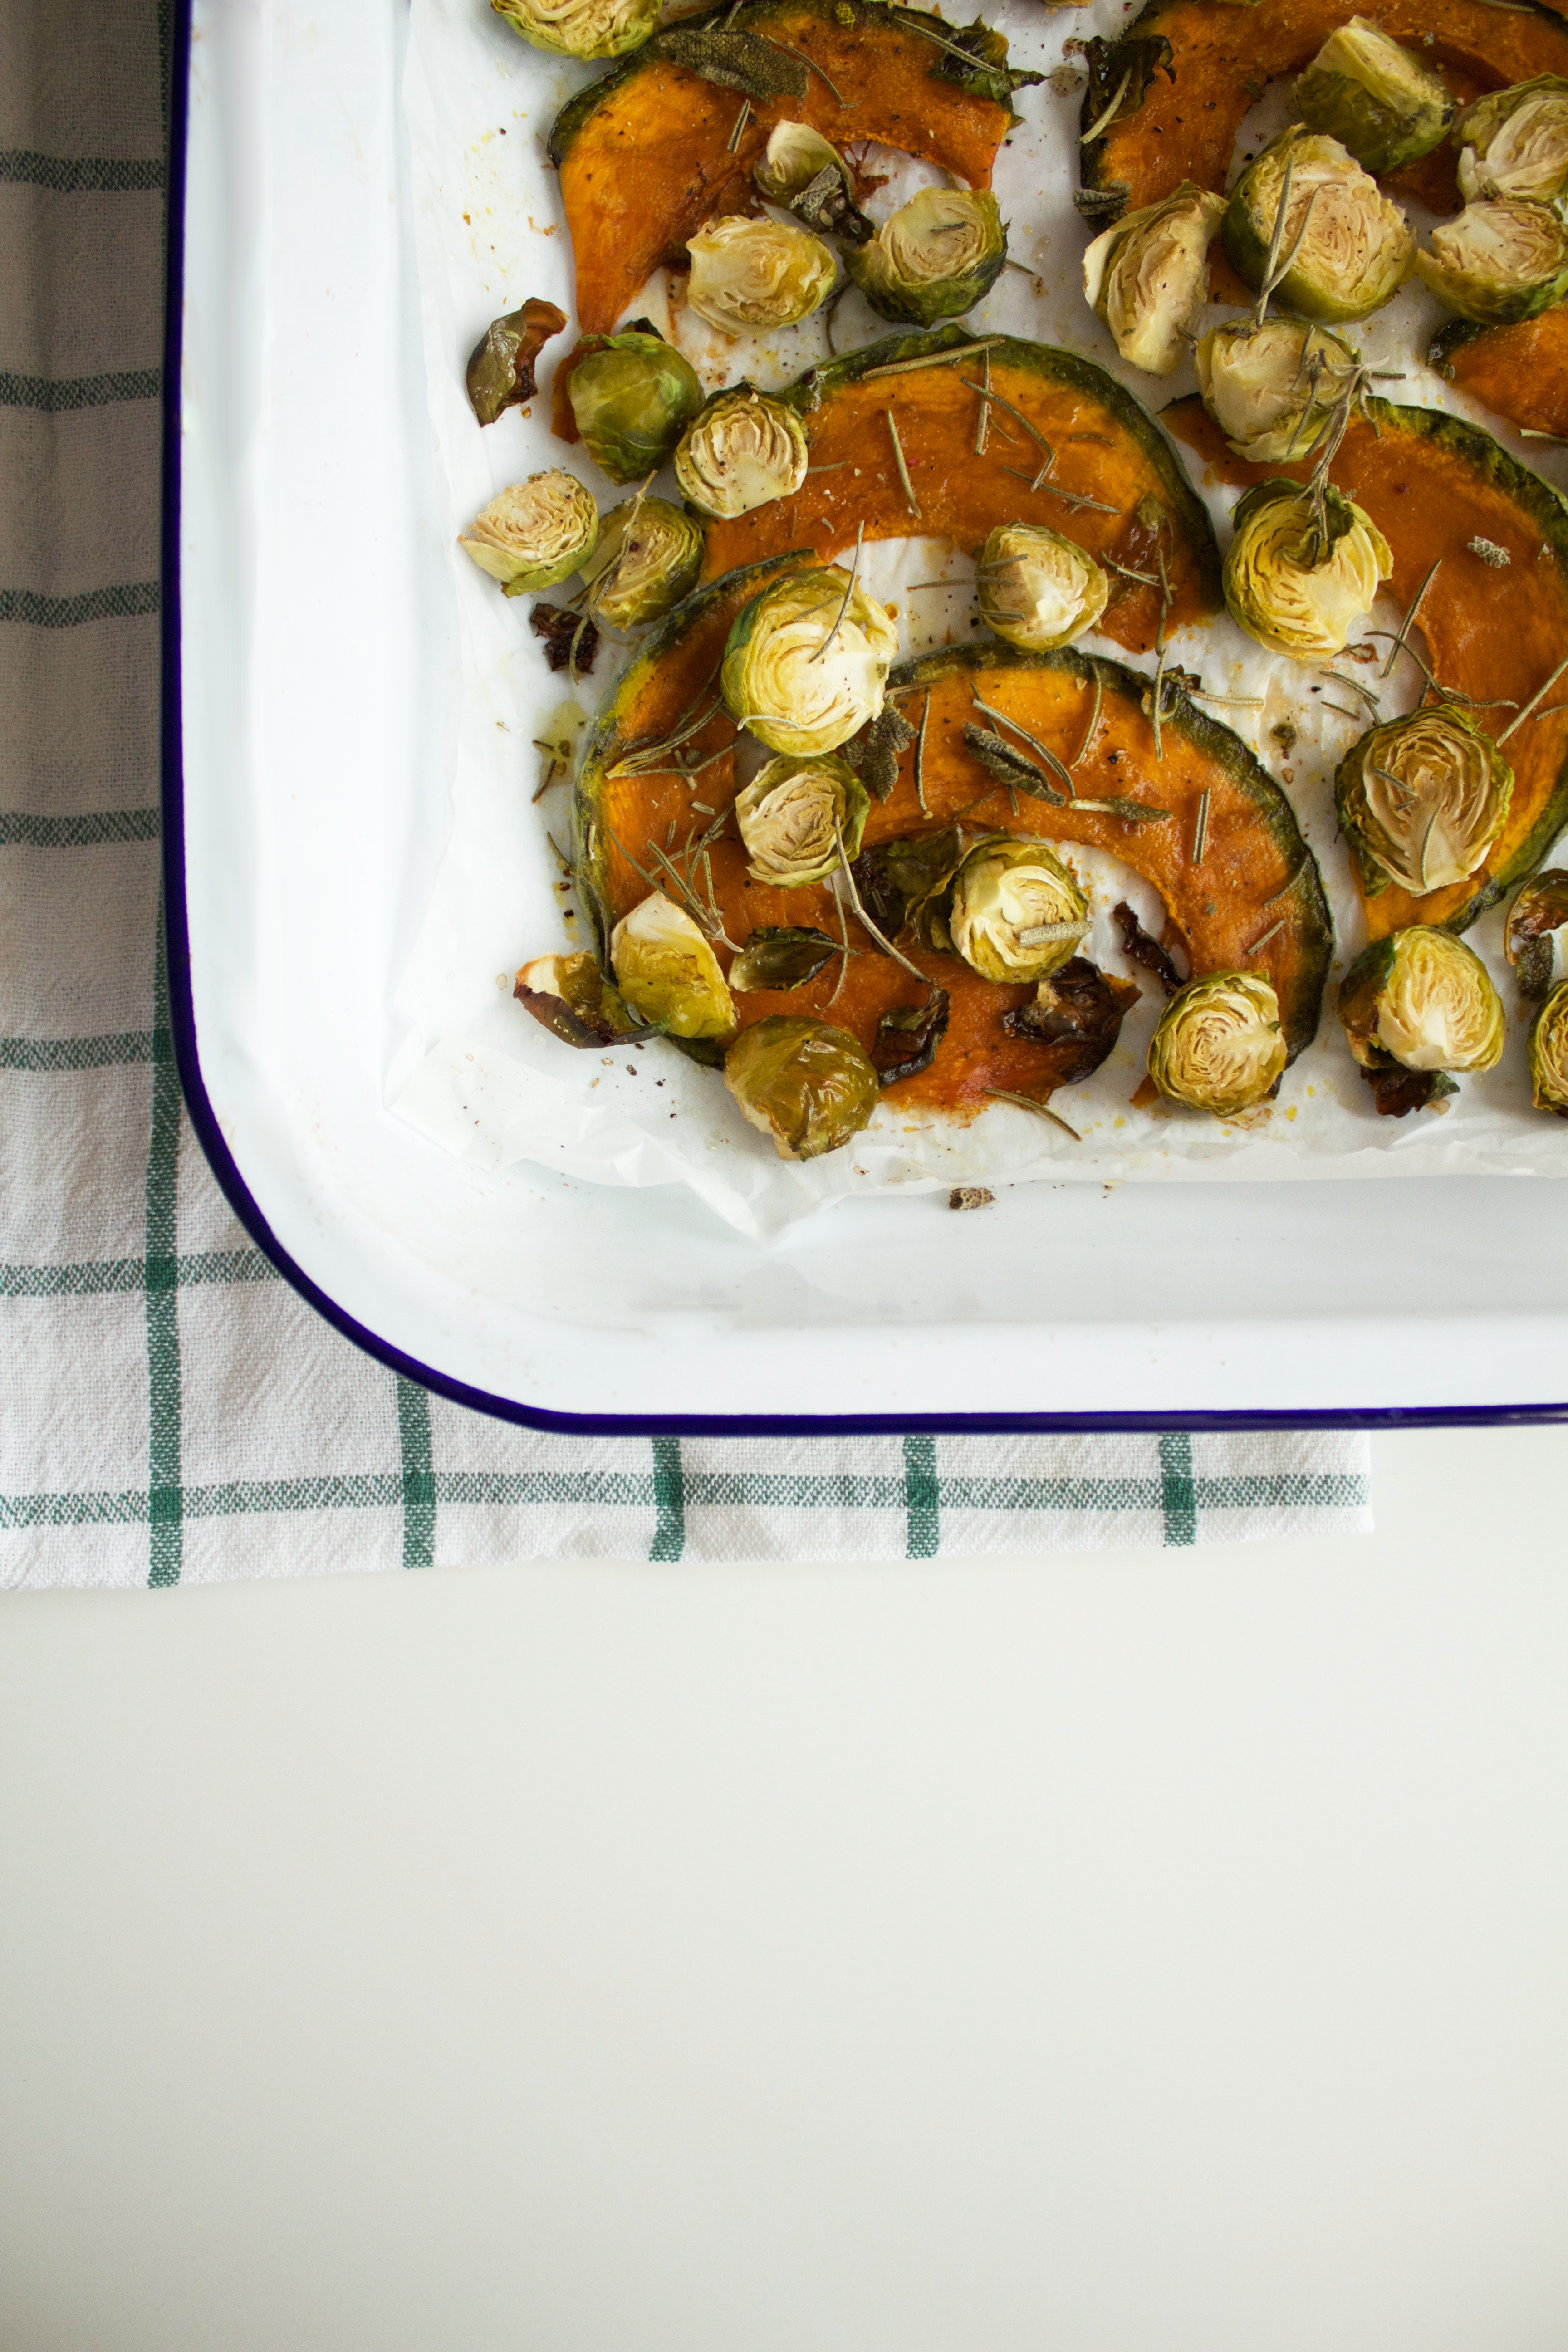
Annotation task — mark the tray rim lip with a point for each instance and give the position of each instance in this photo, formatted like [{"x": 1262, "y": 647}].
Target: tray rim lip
[{"x": 231, "y": 1180}]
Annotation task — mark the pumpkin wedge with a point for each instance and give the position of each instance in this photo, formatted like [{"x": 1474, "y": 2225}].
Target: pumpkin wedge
[
  {"x": 1126, "y": 496},
  {"x": 647, "y": 153},
  {"x": 1494, "y": 619},
  {"x": 1520, "y": 373},
  {"x": 1255, "y": 898},
  {"x": 1172, "y": 89}
]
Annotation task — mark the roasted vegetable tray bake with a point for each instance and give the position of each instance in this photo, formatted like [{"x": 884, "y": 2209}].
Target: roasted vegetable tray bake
[{"x": 1011, "y": 749}]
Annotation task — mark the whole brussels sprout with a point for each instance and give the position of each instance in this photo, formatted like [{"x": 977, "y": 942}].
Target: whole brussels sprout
[
  {"x": 1514, "y": 143},
  {"x": 632, "y": 397},
  {"x": 806, "y": 662},
  {"x": 787, "y": 814},
  {"x": 933, "y": 259},
  {"x": 1271, "y": 389},
  {"x": 1497, "y": 261},
  {"x": 748, "y": 276},
  {"x": 1356, "y": 250},
  {"x": 807, "y": 1084},
  {"x": 581, "y": 28},
  {"x": 742, "y": 451},
  {"x": 1377, "y": 100},
  {"x": 534, "y": 534},
  {"x": 569, "y": 995},
  {"x": 1548, "y": 1052},
  {"x": 1219, "y": 1047},
  {"x": 1005, "y": 894},
  {"x": 1038, "y": 590},
  {"x": 1148, "y": 276},
  {"x": 647, "y": 558},
  {"x": 1422, "y": 799},
  {"x": 1423, "y": 999},
  {"x": 668, "y": 969},
  {"x": 1288, "y": 591}
]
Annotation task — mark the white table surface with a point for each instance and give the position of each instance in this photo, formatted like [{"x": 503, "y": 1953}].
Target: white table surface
[{"x": 1130, "y": 1952}]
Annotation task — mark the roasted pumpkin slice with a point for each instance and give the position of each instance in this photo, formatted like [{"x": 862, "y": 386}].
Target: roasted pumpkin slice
[
  {"x": 1520, "y": 373},
  {"x": 895, "y": 452},
  {"x": 1253, "y": 898},
  {"x": 1167, "y": 97},
  {"x": 648, "y": 152},
  {"x": 1493, "y": 622}
]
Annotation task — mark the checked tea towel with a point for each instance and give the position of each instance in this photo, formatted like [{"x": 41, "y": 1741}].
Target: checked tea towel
[{"x": 170, "y": 1411}]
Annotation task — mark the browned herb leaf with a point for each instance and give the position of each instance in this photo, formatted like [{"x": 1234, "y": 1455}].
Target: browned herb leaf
[
  {"x": 875, "y": 752},
  {"x": 906, "y": 1038},
  {"x": 1399, "y": 1091},
  {"x": 501, "y": 370},
  {"x": 743, "y": 61},
  {"x": 781, "y": 957},
  {"x": 1078, "y": 1015},
  {"x": 562, "y": 629},
  {"x": 1137, "y": 944}
]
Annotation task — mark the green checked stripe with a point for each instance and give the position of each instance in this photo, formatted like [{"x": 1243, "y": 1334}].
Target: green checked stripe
[
  {"x": 99, "y": 1276},
  {"x": 71, "y": 611},
  {"x": 59, "y": 395},
  {"x": 75, "y": 175},
  {"x": 161, "y": 1277},
  {"x": 18, "y": 831},
  {"x": 47, "y": 1054},
  {"x": 1177, "y": 1499},
  {"x": 417, "y": 1485}
]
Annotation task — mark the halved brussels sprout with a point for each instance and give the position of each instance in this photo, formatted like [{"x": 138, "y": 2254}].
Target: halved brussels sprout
[
  {"x": 647, "y": 558},
  {"x": 1548, "y": 1052},
  {"x": 1219, "y": 1047},
  {"x": 743, "y": 450},
  {"x": 750, "y": 275},
  {"x": 1377, "y": 100},
  {"x": 1284, "y": 587},
  {"x": 1356, "y": 250},
  {"x": 1423, "y": 999},
  {"x": 632, "y": 397},
  {"x": 1536, "y": 916},
  {"x": 669, "y": 971},
  {"x": 1003, "y": 896},
  {"x": 1147, "y": 276},
  {"x": 1514, "y": 143},
  {"x": 534, "y": 534},
  {"x": 1497, "y": 261},
  {"x": 1422, "y": 799},
  {"x": 787, "y": 814},
  {"x": 807, "y": 1084},
  {"x": 805, "y": 173},
  {"x": 781, "y": 956},
  {"x": 581, "y": 28},
  {"x": 571, "y": 997},
  {"x": 1038, "y": 590},
  {"x": 1271, "y": 389},
  {"x": 805, "y": 663},
  {"x": 933, "y": 259}
]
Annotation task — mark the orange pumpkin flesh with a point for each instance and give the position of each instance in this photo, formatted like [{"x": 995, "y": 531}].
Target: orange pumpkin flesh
[
  {"x": 1521, "y": 373},
  {"x": 1432, "y": 483}
]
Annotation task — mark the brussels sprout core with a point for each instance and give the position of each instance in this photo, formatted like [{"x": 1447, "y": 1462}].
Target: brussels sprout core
[
  {"x": 648, "y": 556},
  {"x": 632, "y": 397},
  {"x": 1271, "y": 389},
  {"x": 1376, "y": 99},
  {"x": 1288, "y": 591},
  {"x": 1006, "y": 892},
  {"x": 743, "y": 450},
  {"x": 1497, "y": 261},
  {"x": 581, "y": 28},
  {"x": 1355, "y": 250},
  {"x": 933, "y": 259},
  {"x": 1219, "y": 1047},
  {"x": 750, "y": 275},
  {"x": 666, "y": 969},
  {"x": 807, "y": 1084},
  {"x": 792, "y": 816},
  {"x": 1421, "y": 800},
  {"x": 1514, "y": 143},
  {"x": 1424, "y": 1000},
  {"x": 533, "y": 534},
  {"x": 1548, "y": 1052},
  {"x": 1149, "y": 276},
  {"x": 1036, "y": 589},
  {"x": 806, "y": 662}
]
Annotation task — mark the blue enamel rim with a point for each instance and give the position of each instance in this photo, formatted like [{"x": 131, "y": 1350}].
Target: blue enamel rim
[{"x": 222, "y": 1161}]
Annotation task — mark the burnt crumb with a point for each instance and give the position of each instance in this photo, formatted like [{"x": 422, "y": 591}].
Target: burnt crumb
[
  {"x": 1285, "y": 734},
  {"x": 970, "y": 1196},
  {"x": 565, "y": 633},
  {"x": 1137, "y": 946}
]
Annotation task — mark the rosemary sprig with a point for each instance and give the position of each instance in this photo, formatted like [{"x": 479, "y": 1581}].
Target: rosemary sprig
[
  {"x": 1093, "y": 727},
  {"x": 1271, "y": 933},
  {"x": 1058, "y": 766},
  {"x": 741, "y": 120},
  {"x": 983, "y": 424},
  {"x": 1201, "y": 829},
  {"x": 837, "y": 467},
  {"x": 1040, "y": 1110},
  {"x": 920, "y": 755},
  {"x": 1145, "y": 579},
  {"x": 1354, "y": 716},
  {"x": 1404, "y": 627},
  {"x": 849, "y": 591},
  {"x": 1534, "y": 704},
  {"x": 996, "y": 401},
  {"x": 886, "y": 945},
  {"x": 562, "y": 860},
  {"x": 936, "y": 359},
  {"x": 908, "y": 487},
  {"x": 1340, "y": 678}
]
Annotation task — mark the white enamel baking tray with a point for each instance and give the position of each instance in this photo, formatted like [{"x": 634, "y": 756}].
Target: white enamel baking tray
[{"x": 310, "y": 703}]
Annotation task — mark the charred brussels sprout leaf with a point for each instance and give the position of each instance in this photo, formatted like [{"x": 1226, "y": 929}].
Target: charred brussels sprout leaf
[
  {"x": 572, "y": 998},
  {"x": 1514, "y": 143},
  {"x": 1395, "y": 1092},
  {"x": 1289, "y": 590},
  {"x": 1422, "y": 799},
  {"x": 898, "y": 876},
  {"x": 1078, "y": 1016},
  {"x": 793, "y": 815},
  {"x": 647, "y": 558},
  {"x": 743, "y": 450},
  {"x": 1497, "y": 261},
  {"x": 500, "y": 368},
  {"x": 934, "y": 258},
  {"x": 1423, "y": 999},
  {"x": 1139, "y": 948},
  {"x": 1148, "y": 276},
  {"x": 781, "y": 957},
  {"x": 748, "y": 276},
  {"x": 806, "y": 663},
  {"x": 581, "y": 28},
  {"x": 1548, "y": 1053},
  {"x": 632, "y": 397},
  {"x": 807, "y": 1084},
  {"x": 1376, "y": 99},
  {"x": 570, "y": 640},
  {"x": 1356, "y": 249},
  {"x": 1219, "y": 1047},
  {"x": 1014, "y": 911},
  {"x": 669, "y": 971},
  {"x": 1038, "y": 590},
  {"x": 906, "y": 1038},
  {"x": 1536, "y": 916},
  {"x": 534, "y": 534},
  {"x": 1271, "y": 389}
]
